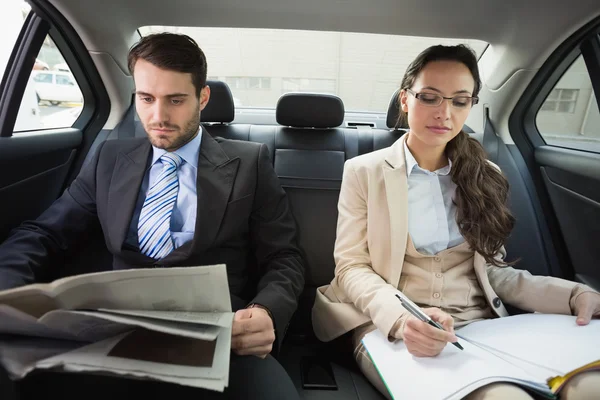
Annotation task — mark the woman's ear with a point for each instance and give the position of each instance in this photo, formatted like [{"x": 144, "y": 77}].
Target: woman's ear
[{"x": 404, "y": 100}]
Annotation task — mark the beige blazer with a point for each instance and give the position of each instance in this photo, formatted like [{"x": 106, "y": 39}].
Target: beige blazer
[{"x": 372, "y": 234}]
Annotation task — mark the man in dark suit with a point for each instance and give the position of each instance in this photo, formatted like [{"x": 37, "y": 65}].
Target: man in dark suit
[{"x": 182, "y": 198}]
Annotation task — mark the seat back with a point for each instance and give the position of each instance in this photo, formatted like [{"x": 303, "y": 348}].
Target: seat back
[{"x": 308, "y": 149}]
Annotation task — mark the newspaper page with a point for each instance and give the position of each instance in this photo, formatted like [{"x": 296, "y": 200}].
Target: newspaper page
[
  {"x": 155, "y": 355},
  {"x": 196, "y": 331},
  {"x": 15, "y": 322},
  {"x": 202, "y": 288},
  {"x": 206, "y": 318},
  {"x": 18, "y": 355},
  {"x": 166, "y": 324}
]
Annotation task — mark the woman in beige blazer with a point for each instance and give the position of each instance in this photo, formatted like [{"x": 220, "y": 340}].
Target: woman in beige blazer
[{"x": 428, "y": 217}]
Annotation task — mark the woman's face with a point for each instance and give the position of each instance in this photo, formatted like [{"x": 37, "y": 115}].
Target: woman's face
[{"x": 433, "y": 125}]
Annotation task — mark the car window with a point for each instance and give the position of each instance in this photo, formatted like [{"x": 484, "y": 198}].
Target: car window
[
  {"x": 259, "y": 65},
  {"x": 49, "y": 101},
  {"x": 569, "y": 116},
  {"x": 52, "y": 99}
]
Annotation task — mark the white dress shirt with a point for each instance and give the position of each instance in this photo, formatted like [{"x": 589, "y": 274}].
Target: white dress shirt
[
  {"x": 431, "y": 210},
  {"x": 183, "y": 218}
]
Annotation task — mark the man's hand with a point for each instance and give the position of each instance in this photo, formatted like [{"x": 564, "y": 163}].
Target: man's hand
[
  {"x": 424, "y": 340},
  {"x": 252, "y": 332},
  {"x": 587, "y": 306}
]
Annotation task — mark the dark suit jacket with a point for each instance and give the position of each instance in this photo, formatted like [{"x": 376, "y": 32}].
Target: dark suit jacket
[{"x": 243, "y": 220}]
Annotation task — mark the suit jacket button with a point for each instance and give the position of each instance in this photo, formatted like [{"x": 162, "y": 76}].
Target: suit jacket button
[{"x": 496, "y": 302}]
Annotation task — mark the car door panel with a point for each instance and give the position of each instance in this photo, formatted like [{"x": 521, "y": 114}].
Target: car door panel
[
  {"x": 572, "y": 179},
  {"x": 561, "y": 149},
  {"x": 38, "y": 164}
]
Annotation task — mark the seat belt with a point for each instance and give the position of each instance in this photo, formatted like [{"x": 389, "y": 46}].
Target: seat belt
[
  {"x": 490, "y": 138},
  {"x": 365, "y": 139},
  {"x": 124, "y": 129}
]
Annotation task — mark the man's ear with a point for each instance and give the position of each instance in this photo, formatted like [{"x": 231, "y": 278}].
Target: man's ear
[{"x": 204, "y": 97}]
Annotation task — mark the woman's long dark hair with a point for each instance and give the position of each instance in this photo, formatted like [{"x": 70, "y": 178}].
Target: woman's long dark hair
[{"x": 483, "y": 217}]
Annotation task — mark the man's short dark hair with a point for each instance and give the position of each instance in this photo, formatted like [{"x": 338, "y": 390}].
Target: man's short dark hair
[{"x": 171, "y": 51}]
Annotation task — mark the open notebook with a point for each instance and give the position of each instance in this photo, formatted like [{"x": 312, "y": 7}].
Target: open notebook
[{"x": 539, "y": 352}]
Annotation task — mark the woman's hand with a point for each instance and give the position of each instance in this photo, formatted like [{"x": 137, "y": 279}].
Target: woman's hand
[
  {"x": 587, "y": 306},
  {"x": 424, "y": 340}
]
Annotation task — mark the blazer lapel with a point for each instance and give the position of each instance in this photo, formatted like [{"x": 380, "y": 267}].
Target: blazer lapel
[
  {"x": 396, "y": 187},
  {"x": 216, "y": 175},
  {"x": 124, "y": 190}
]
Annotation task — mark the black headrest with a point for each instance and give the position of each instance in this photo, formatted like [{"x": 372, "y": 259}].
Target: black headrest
[
  {"x": 394, "y": 112},
  {"x": 220, "y": 106},
  {"x": 310, "y": 110}
]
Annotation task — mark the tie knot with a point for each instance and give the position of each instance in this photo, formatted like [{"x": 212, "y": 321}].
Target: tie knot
[{"x": 172, "y": 159}]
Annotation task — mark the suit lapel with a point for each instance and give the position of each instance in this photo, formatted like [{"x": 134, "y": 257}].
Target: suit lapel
[
  {"x": 216, "y": 175},
  {"x": 396, "y": 187},
  {"x": 124, "y": 190}
]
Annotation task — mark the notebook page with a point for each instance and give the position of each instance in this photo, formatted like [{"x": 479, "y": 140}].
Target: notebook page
[
  {"x": 409, "y": 377},
  {"x": 554, "y": 341},
  {"x": 536, "y": 369}
]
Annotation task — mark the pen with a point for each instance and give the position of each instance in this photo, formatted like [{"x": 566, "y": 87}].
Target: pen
[{"x": 417, "y": 312}]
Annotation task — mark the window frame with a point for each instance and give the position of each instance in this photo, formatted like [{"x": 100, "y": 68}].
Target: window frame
[
  {"x": 18, "y": 70},
  {"x": 42, "y": 21},
  {"x": 585, "y": 43}
]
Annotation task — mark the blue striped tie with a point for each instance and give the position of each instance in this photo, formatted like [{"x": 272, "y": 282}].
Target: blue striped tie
[{"x": 154, "y": 225}]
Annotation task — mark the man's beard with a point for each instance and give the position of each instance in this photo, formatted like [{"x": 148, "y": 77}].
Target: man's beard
[{"x": 189, "y": 132}]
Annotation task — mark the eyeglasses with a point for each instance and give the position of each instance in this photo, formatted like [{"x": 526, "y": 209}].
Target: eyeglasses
[{"x": 434, "y": 100}]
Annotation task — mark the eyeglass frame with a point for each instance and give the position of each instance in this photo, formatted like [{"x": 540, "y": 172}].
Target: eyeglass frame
[{"x": 417, "y": 95}]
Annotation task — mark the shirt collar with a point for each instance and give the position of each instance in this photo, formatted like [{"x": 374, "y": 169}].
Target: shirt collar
[
  {"x": 189, "y": 152},
  {"x": 411, "y": 163}
]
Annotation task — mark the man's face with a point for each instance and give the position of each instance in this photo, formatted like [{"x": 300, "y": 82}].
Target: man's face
[{"x": 167, "y": 105}]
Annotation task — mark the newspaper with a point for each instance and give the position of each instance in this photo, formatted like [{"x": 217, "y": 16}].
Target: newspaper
[{"x": 171, "y": 324}]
